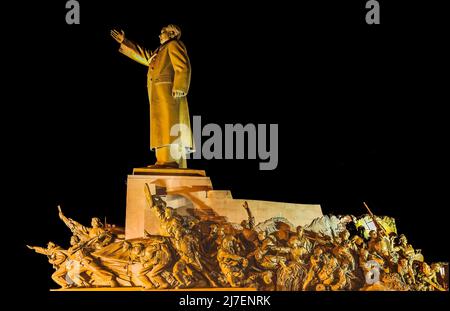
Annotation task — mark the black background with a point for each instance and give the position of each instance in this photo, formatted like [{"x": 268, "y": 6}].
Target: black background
[{"x": 360, "y": 110}]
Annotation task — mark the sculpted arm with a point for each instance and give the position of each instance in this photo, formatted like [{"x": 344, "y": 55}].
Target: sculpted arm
[{"x": 131, "y": 49}]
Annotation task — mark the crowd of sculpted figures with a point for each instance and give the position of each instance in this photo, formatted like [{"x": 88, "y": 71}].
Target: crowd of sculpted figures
[{"x": 272, "y": 255}]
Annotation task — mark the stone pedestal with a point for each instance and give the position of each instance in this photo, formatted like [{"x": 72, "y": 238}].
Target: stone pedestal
[{"x": 190, "y": 192}]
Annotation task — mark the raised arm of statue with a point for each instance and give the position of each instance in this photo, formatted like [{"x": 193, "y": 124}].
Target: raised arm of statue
[
  {"x": 39, "y": 250},
  {"x": 75, "y": 227},
  {"x": 251, "y": 219},
  {"x": 131, "y": 49}
]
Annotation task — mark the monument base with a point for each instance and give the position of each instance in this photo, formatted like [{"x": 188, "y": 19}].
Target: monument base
[{"x": 191, "y": 193}]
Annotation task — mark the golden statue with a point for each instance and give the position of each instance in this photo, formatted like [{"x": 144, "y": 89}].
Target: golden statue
[
  {"x": 154, "y": 260},
  {"x": 84, "y": 270},
  {"x": 231, "y": 264},
  {"x": 97, "y": 236},
  {"x": 168, "y": 79},
  {"x": 196, "y": 253},
  {"x": 57, "y": 258},
  {"x": 193, "y": 266}
]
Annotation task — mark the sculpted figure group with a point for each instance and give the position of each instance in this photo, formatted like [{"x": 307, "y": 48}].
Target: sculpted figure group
[{"x": 202, "y": 254}]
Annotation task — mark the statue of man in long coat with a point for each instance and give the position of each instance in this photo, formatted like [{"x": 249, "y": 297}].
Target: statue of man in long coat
[{"x": 168, "y": 79}]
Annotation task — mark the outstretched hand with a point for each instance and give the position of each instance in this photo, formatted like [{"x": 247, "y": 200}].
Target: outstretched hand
[
  {"x": 118, "y": 35},
  {"x": 30, "y": 247},
  {"x": 60, "y": 213}
]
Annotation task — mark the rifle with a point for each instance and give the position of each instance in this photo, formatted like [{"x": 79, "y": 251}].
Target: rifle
[{"x": 379, "y": 227}]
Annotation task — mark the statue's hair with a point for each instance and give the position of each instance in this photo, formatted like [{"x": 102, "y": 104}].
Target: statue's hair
[
  {"x": 174, "y": 31},
  {"x": 99, "y": 222}
]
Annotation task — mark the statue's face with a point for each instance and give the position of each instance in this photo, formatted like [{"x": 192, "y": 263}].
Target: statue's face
[
  {"x": 293, "y": 241},
  {"x": 136, "y": 250},
  {"x": 50, "y": 245},
  {"x": 318, "y": 251},
  {"x": 125, "y": 247},
  {"x": 214, "y": 229},
  {"x": 345, "y": 235},
  {"x": 403, "y": 239},
  {"x": 73, "y": 240},
  {"x": 262, "y": 235},
  {"x": 164, "y": 35},
  {"x": 363, "y": 252},
  {"x": 435, "y": 267},
  {"x": 168, "y": 213},
  {"x": 94, "y": 223}
]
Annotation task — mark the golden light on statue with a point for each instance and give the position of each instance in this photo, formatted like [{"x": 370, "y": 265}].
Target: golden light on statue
[{"x": 181, "y": 233}]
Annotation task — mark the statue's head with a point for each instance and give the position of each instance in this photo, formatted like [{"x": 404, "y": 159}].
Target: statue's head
[
  {"x": 402, "y": 239},
  {"x": 228, "y": 243},
  {"x": 300, "y": 231},
  {"x": 96, "y": 223},
  {"x": 245, "y": 224},
  {"x": 403, "y": 262},
  {"x": 169, "y": 32},
  {"x": 74, "y": 240},
  {"x": 51, "y": 245},
  {"x": 318, "y": 251},
  {"x": 213, "y": 229},
  {"x": 137, "y": 248},
  {"x": 344, "y": 265},
  {"x": 268, "y": 277},
  {"x": 293, "y": 241},
  {"x": 158, "y": 201},
  {"x": 168, "y": 212},
  {"x": 363, "y": 252},
  {"x": 262, "y": 235},
  {"x": 344, "y": 235},
  {"x": 435, "y": 267},
  {"x": 220, "y": 231},
  {"x": 126, "y": 246}
]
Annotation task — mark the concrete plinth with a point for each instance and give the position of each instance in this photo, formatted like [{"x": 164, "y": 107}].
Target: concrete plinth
[{"x": 193, "y": 194}]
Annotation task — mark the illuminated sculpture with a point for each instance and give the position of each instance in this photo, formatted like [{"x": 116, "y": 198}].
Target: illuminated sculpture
[
  {"x": 183, "y": 237},
  {"x": 282, "y": 259},
  {"x": 168, "y": 79}
]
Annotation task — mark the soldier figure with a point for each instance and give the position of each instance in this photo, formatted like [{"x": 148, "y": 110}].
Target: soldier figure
[
  {"x": 231, "y": 264},
  {"x": 154, "y": 259},
  {"x": 82, "y": 262},
  {"x": 57, "y": 258},
  {"x": 96, "y": 236}
]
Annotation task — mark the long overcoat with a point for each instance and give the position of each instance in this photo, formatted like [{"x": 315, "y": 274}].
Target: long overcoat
[{"x": 169, "y": 69}]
